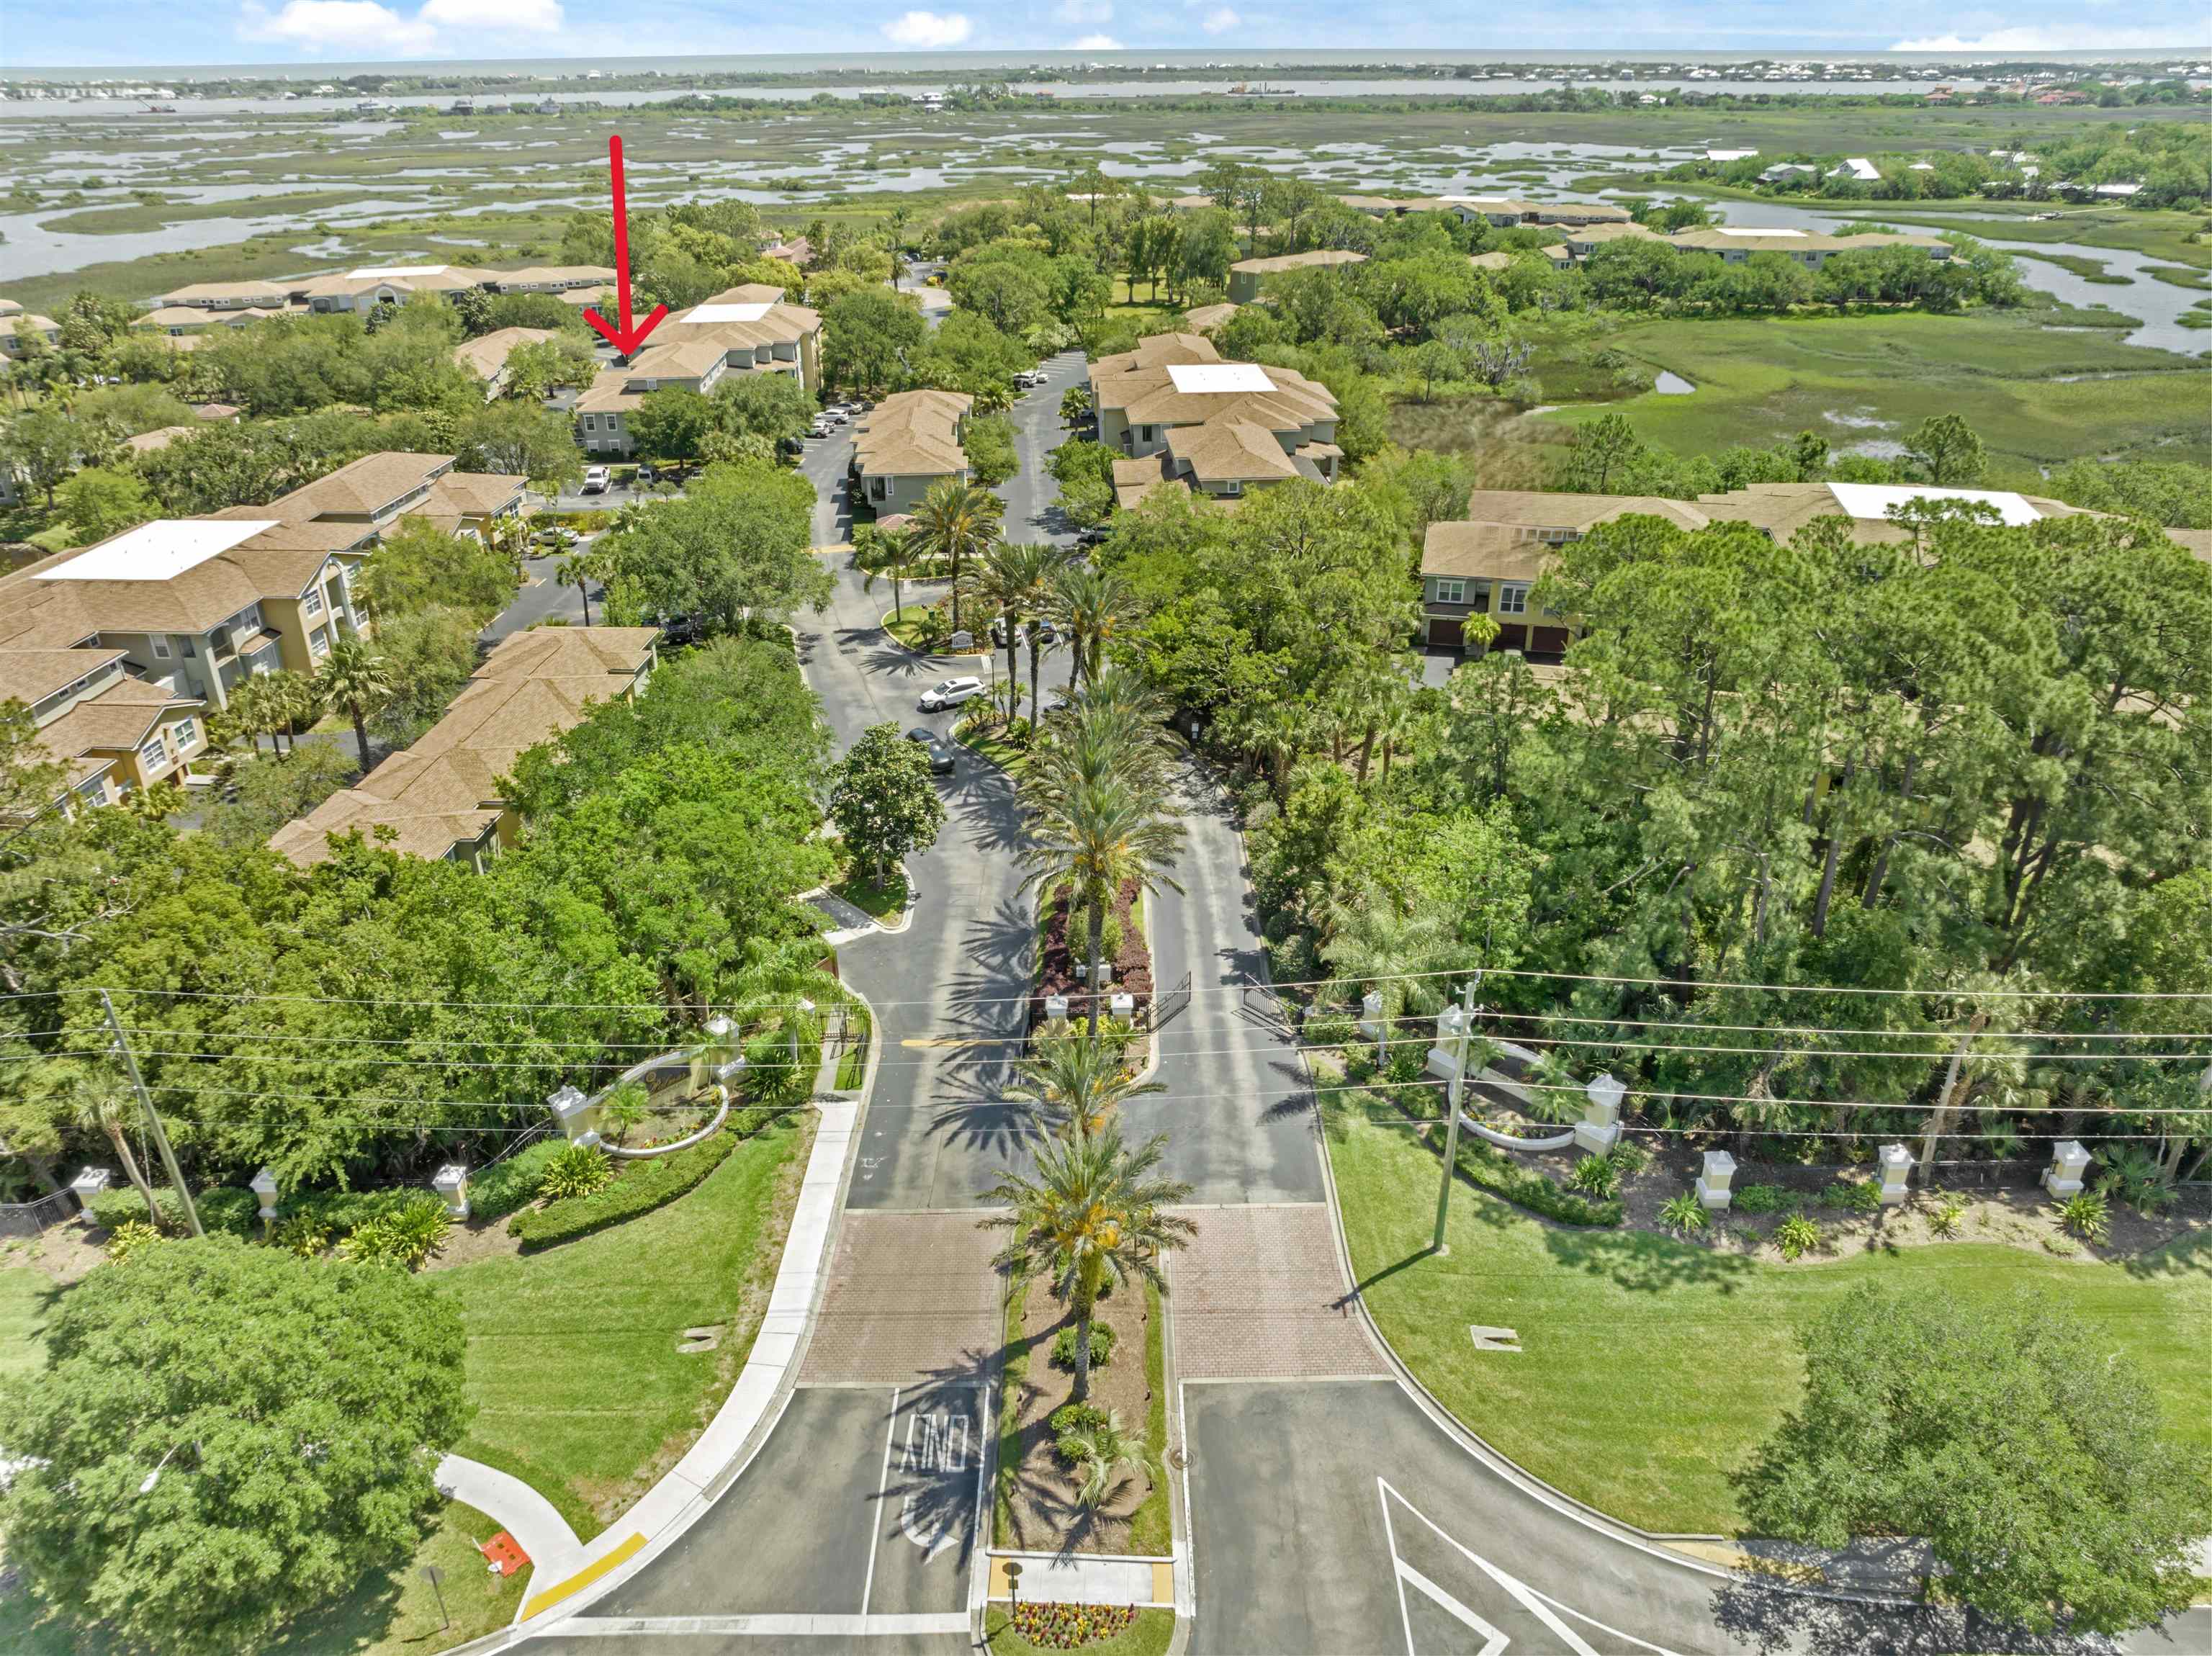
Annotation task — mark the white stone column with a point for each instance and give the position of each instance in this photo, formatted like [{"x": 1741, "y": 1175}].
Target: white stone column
[
  {"x": 1599, "y": 1130},
  {"x": 1122, "y": 1006},
  {"x": 2068, "y": 1162},
  {"x": 452, "y": 1182},
  {"x": 1055, "y": 1009},
  {"x": 578, "y": 1116},
  {"x": 1443, "y": 1056},
  {"x": 1896, "y": 1164},
  {"x": 89, "y": 1184},
  {"x": 263, "y": 1185},
  {"x": 1714, "y": 1194}
]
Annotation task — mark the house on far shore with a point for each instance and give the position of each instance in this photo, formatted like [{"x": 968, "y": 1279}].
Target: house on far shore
[{"x": 906, "y": 443}]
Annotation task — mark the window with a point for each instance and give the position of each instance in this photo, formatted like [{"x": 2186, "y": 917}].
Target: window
[
  {"x": 153, "y": 755},
  {"x": 160, "y": 648},
  {"x": 1513, "y": 599},
  {"x": 187, "y": 733},
  {"x": 1451, "y": 591},
  {"x": 319, "y": 644},
  {"x": 94, "y": 792},
  {"x": 251, "y": 618},
  {"x": 880, "y": 488},
  {"x": 311, "y": 605},
  {"x": 1148, "y": 434}
]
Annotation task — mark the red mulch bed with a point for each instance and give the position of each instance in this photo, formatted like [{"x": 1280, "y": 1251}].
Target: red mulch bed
[{"x": 1132, "y": 966}]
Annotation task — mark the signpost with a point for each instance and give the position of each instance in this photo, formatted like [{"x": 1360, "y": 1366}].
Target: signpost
[
  {"x": 1013, "y": 1585},
  {"x": 436, "y": 1577}
]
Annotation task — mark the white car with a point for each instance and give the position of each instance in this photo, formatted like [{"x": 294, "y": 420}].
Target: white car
[
  {"x": 835, "y": 416},
  {"x": 595, "y": 481},
  {"x": 950, "y": 694}
]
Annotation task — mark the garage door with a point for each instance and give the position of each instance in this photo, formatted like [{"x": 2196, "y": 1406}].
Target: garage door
[
  {"x": 1515, "y": 637},
  {"x": 1550, "y": 641},
  {"x": 1447, "y": 634}
]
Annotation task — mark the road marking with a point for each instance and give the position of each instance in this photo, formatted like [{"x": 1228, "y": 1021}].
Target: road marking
[
  {"x": 1451, "y": 1606},
  {"x": 943, "y": 1041},
  {"x": 1542, "y": 1606},
  {"x": 943, "y": 1448},
  {"x": 882, "y": 1482},
  {"x": 582, "y": 1578},
  {"x": 776, "y": 1627}
]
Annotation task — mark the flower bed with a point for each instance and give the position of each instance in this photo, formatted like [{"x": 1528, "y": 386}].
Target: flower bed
[
  {"x": 1070, "y": 1627},
  {"x": 1062, "y": 954}
]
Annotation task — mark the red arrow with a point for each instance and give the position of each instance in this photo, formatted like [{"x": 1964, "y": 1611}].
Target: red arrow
[{"x": 625, "y": 339}]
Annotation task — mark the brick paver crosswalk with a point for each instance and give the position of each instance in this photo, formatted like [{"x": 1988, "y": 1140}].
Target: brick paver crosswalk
[
  {"x": 1259, "y": 1295},
  {"x": 910, "y": 1297}
]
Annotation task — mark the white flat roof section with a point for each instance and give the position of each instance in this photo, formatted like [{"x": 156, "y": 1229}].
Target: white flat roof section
[
  {"x": 1757, "y": 230},
  {"x": 379, "y": 272},
  {"x": 1203, "y": 378},
  {"x": 1874, "y": 500},
  {"x": 160, "y": 551},
  {"x": 750, "y": 312}
]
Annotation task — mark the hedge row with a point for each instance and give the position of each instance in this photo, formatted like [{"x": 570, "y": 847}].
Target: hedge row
[
  {"x": 641, "y": 1188},
  {"x": 224, "y": 1208},
  {"x": 507, "y": 1186}
]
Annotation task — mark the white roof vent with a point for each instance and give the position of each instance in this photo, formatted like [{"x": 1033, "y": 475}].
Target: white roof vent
[
  {"x": 160, "y": 551},
  {"x": 1875, "y": 500},
  {"x": 748, "y": 312},
  {"x": 1202, "y": 379}
]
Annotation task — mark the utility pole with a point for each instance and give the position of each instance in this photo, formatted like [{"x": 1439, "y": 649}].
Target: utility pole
[
  {"x": 1939, "y": 1118},
  {"x": 152, "y": 1119},
  {"x": 1452, "y": 1097}
]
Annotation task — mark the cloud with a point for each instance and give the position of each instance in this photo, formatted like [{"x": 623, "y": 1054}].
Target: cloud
[
  {"x": 1095, "y": 42},
  {"x": 928, "y": 31},
  {"x": 536, "y": 17},
  {"x": 2036, "y": 38},
  {"x": 350, "y": 28},
  {"x": 1220, "y": 20}
]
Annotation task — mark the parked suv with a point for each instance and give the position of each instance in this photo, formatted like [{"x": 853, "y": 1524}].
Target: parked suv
[
  {"x": 595, "y": 481},
  {"x": 950, "y": 694}
]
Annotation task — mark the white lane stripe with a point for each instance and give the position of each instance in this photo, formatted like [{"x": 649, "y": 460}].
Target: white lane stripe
[
  {"x": 1533, "y": 1602},
  {"x": 875, "y": 1519},
  {"x": 783, "y": 1626},
  {"x": 1450, "y": 1606}
]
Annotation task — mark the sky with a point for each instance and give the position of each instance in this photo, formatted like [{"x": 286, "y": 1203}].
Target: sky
[{"x": 132, "y": 33}]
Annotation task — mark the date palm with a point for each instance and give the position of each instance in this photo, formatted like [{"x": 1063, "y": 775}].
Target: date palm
[
  {"x": 1103, "y": 1453},
  {"x": 1098, "y": 837},
  {"x": 1090, "y": 605},
  {"x": 580, "y": 569},
  {"x": 1093, "y": 1214},
  {"x": 1012, "y": 582},
  {"x": 957, "y": 521},
  {"x": 879, "y": 552},
  {"x": 1079, "y": 1082},
  {"x": 355, "y": 677}
]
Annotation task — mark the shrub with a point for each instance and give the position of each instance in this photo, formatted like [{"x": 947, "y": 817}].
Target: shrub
[
  {"x": 1358, "y": 1063},
  {"x": 1627, "y": 1157},
  {"x": 576, "y": 1170},
  {"x": 302, "y": 1233},
  {"x": 2087, "y": 1215},
  {"x": 507, "y": 1186},
  {"x": 132, "y": 1236},
  {"x": 1070, "y": 1626},
  {"x": 343, "y": 1212},
  {"x": 1683, "y": 1214},
  {"x": 1796, "y": 1236},
  {"x": 1766, "y": 1198},
  {"x": 1943, "y": 1219},
  {"x": 1595, "y": 1176},
  {"x": 1331, "y": 1029},
  {"x": 1071, "y": 1423},
  {"x": 1102, "y": 1346},
  {"x": 643, "y": 1187},
  {"x": 1496, "y": 1171},
  {"x": 403, "y": 1239},
  {"x": 118, "y": 1206},
  {"x": 225, "y": 1208},
  {"x": 1852, "y": 1196},
  {"x": 2133, "y": 1177},
  {"x": 231, "y": 1209},
  {"x": 1406, "y": 1062}
]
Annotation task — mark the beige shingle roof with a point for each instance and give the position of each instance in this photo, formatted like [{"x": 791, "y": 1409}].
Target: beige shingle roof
[
  {"x": 210, "y": 292},
  {"x": 1321, "y": 258},
  {"x": 1210, "y": 316},
  {"x": 913, "y": 433},
  {"x": 486, "y": 355},
  {"x": 370, "y": 486},
  {"x": 1474, "y": 551},
  {"x": 30, "y": 676},
  {"x": 1231, "y": 451},
  {"x": 118, "y": 718}
]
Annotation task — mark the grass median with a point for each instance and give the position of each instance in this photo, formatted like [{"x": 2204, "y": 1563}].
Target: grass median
[{"x": 1650, "y": 1368}]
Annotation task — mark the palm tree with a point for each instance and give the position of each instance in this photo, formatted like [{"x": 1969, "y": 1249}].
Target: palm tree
[
  {"x": 1091, "y": 1217},
  {"x": 355, "y": 677},
  {"x": 1079, "y": 1082},
  {"x": 580, "y": 569},
  {"x": 1013, "y": 583},
  {"x": 1375, "y": 941},
  {"x": 957, "y": 521},
  {"x": 94, "y": 1102},
  {"x": 1103, "y": 1453},
  {"x": 783, "y": 980},
  {"x": 1090, "y": 605},
  {"x": 878, "y": 551},
  {"x": 290, "y": 701},
  {"x": 250, "y": 712},
  {"x": 1098, "y": 838}
]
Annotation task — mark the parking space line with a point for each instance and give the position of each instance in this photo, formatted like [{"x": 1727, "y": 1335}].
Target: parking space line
[{"x": 883, "y": 1485}]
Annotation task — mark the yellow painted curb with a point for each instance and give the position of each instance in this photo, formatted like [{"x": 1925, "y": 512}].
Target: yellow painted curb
[{"x": 582, "y": 1578}]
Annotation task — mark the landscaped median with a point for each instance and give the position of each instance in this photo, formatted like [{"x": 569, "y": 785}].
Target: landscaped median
[{"x": 1650, "y": 1369}]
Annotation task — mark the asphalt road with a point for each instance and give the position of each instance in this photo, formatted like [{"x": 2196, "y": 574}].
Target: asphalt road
[{"x": 1030, "y": 494}]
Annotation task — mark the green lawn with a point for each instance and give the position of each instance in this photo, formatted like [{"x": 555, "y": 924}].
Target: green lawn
[
  {"x": 25, "y": 1296},
  {"x": 2013, "y": 380},
  {"x": 1650, "y": 1369},
  {"x": 572, "y": 1353},
  {"x": 884, "y": 902},
  {"x": 394, "y": 1614}
]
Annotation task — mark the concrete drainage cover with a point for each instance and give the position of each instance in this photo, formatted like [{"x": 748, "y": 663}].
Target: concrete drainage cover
[
  {"x": 1494, "y": 1339},
  {"x": 699, "y": 1339}
]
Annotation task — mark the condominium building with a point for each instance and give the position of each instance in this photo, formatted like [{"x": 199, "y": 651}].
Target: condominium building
[
  {"x": 751, "y": 329},
  {"x": 908, "y": 442},
  {"x": 1182, "y": 415}
]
